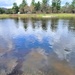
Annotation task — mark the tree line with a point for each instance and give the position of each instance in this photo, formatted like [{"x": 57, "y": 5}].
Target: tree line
[{"x": 40, "y": 7}]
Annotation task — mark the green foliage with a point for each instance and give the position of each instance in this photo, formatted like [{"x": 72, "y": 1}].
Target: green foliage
[
  {"x": 67, "y": 4},
  {"x": 45, "y": 2},
  {"x": 15, "y": 8},
  {"x": 2, "y": 11},
  {"x": 22, "y": 5},
  {"x": 73, "y": 3},
  {"x": 73, "y": 6},
  {"x": 9, "y": 11},
  {"x": 33, "y": 3},
  {"x": 56, "y": 4},
  {"x": 45, "y": 5},
  {"x": 37, "y": 6},
  {"x": 53, "y": 5}
]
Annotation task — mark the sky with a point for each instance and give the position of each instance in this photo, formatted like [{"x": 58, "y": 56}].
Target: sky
[{"x": 9, "y": 3}]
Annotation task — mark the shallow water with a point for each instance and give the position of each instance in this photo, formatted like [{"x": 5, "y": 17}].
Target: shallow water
[{"x": 37, "y": 46}]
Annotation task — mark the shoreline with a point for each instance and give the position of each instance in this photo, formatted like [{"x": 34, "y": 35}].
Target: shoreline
[{"x": 42, "y": 16}]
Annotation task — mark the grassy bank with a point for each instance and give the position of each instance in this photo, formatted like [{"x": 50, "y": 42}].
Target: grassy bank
[{"x": 37, "y": 15}]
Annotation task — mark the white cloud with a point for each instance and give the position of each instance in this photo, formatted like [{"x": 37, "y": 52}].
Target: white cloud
[
  {"x": 28, "y": 1},
  {"x": 8, "y": 4}
]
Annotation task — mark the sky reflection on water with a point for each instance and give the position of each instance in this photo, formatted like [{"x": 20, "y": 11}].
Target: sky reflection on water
[{"x": 28, "y": 45}]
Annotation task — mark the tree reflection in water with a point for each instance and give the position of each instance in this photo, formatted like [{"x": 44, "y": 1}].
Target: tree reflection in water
[{"x": 37, "y": 47}]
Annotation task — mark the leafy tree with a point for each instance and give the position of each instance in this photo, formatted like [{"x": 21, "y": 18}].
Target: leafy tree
[
  {"x": 45, "y": 2},
  {"x": 58, "y": 5},
  {"x": 66, "y": 8},
  {"x": 45, "y": 5},
  {"x": 73, "y": 3},
  {"x": 73, "y": 6},
  {"x": 27, "y": 9},
  {"x": 67, "y": 4},
  {"x": 33, "y": 3},
  {"x": 22, "y": 5},
  {"x": 15, "y": 8},
  {"x": 32, "y": 6},
  {"x": 9, "y": 11},
  {"x": 2, "y": 11},
  {"x": 53, "y": 5},
  {"x": 37, "y": 6}
]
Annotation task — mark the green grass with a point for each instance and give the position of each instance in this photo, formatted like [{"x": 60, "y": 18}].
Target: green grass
[
  {"x": 60, "y": 15},
  {"x": 4, "y": 16},
  {"x": 64, "y": 15}
]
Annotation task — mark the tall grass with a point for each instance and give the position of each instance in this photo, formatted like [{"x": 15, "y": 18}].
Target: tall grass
[{"x": 37, "y": 15}]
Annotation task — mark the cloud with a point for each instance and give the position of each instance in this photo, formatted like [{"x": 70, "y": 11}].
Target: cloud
[
  {"x": 8, "y": 4},
  {"x": 63, "y": 1}
]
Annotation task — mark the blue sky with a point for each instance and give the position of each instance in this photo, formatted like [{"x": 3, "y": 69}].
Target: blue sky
[{"x": 9, "y": 3}]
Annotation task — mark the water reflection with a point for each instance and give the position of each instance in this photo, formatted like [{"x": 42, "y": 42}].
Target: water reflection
[
  {"x": 29, "y": 46},
  {"x": 54, "y": 23}
]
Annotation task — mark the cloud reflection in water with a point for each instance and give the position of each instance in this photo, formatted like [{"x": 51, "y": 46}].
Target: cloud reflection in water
[{"x": 35, "y": 46}]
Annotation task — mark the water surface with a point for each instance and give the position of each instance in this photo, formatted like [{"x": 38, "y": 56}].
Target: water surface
[{"x": 37, "y": 46}]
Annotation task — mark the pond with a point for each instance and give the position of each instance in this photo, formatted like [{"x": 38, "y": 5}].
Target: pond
[{"x": 37, "y": 46}]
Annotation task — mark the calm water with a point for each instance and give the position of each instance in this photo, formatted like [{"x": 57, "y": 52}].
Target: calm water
[{"x": 37, "y": 47}]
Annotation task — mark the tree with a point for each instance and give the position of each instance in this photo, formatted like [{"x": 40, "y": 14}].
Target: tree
[
  {"x": 32, "y": 6},
  {"x": 37, "y": 6},
  {"x": 33, "y": 3},
  {"x": 56, "y": 4},
  {"x": 45, "y": 2},
  {"x": 53, "y": 5},
  {"x": 15, "y": 8},
  {"x": 67, "y": 5},
  {"x": 73, "y": 6},
  {"x": 67, "y": 8},
  {"x": 45, "y": 5},
  {"x": 9, "y": 11},
  {"x": 73, "y": 3},
  {"x": 22, "y": 5},
  {"x": 2, "y": 11},
  {"x": 27, "y": 9}
]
